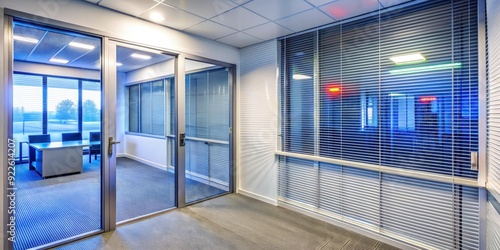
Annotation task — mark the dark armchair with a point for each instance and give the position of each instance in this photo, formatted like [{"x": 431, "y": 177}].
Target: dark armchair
[
  {"x": 35, "y": 139},
  {"x": 96, "y": 148}
]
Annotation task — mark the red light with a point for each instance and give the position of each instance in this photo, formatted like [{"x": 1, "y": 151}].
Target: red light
[
  {"x": 333, "y": 90},
  {"x": 427, "y": 99}
]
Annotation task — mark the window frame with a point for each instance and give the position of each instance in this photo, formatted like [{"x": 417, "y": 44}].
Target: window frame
[
  {"x": 44, "y": 97},
  {"x": 166, "y": 80}
]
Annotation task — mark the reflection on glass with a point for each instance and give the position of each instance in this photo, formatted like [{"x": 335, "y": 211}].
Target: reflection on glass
[{"x": 207, "y": 131}]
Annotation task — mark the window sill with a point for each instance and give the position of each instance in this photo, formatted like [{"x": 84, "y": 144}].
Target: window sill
[{"x": 146, "y": 135}]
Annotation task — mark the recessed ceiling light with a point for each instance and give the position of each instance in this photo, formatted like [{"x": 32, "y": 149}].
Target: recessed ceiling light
[
  {"x": 62, "y": 61},
  {"x": 140, "y": 56},
  {"x": 156, "y": 17},
  {"x": 118, "y": 64},
  {"x": 81, "y": 45},
  {"x": 300, "y": 77},
  {"x": 412, "y": 58},
  {"x": 25, "y": 39}
]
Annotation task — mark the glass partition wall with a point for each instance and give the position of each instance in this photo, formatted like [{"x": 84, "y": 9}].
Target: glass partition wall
[
  {"x": 207, "y": 130},
  {"x": 56, "y": 93}
]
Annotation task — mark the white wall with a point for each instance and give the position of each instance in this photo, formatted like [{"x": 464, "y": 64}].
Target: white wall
[
  {"x": 161, "y": 69},
  {"x": 258, "y": 116},
  {"x": 492, "y": 225},
  {"x": 152, "y": 151},
  {"x": 493, "y": 180}
]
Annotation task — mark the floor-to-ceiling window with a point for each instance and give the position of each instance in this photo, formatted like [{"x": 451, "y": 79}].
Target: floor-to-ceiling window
[{"x": 380, "y": 118}]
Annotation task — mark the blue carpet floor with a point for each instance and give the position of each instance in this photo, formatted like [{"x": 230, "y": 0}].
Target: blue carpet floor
[{"x": 56, "y": 208}]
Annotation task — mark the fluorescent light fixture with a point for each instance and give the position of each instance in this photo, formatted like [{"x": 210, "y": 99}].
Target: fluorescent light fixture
[
  {"x": 156, "y": 17},
  {"x": 118, "y": 64},
  {"x": 425, "y": 68},
  {"x": 412, "y": 58},
  {"x": 396, "y": 94},
  {"x": 81, "y": 45},
  {"x": 300, "y": 77},
  {"x": 140, "y": 56},
  {"x": 25, "y": 39},
  {"x": 62, "y": 61}
]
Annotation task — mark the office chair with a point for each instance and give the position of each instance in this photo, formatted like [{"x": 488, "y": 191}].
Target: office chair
[
  {"x": 32, "y": 151},
  {"x": 94, "y": 149},
  {"x": 71, "y": 137}
]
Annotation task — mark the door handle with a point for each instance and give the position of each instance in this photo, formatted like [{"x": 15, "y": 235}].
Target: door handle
[{"x": 111, "y": 142}]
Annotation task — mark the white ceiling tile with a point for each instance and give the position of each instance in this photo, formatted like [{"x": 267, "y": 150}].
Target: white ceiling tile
[
  {"x": 275, "y": 9},
  {"x": 210, "y": 30},
  {"x": 305, "y": 20},
  {"x": 268, "y": 31},
  {"x": 174, "y": 18},
  {"x": 320, "y": 2},
  {"x": 239, "y": 19},
  {"x": 240, "y": 1},
  {"x": 206, "y": 9},
  {"x": 239, "y": 40},
  {"x": 132, "y": 7},
  {"x": 343, "y": 9},
  {"x": 388, "y": 3}
]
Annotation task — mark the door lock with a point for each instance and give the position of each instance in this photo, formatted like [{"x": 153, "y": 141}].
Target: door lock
[{"x": 182, "y": 140}]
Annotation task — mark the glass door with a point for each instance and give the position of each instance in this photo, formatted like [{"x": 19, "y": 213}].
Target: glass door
[
  {"x": 56, "y": 105},
  {"x": 145, "y": 173},
  {"x": 207, "y": 102}
]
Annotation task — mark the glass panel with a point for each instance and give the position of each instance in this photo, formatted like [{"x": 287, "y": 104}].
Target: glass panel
[
  {"x": 146, "y": 114},
  {"x": 58, "y": 192},
  {"x": 145, "y": 180},
  {"x": 299, "y": 114},
  {"x": 158, "y": 108},
  {"x": 207, "y": 131},
  {"x": 28, "y": 110},
  {"x": 91, "y": 108},
  {"x": 62, "y": 106},
  {"x": 133, "y": 108}
]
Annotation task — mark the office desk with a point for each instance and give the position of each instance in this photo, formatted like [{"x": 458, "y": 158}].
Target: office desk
[{"x": 57, "y": 158}]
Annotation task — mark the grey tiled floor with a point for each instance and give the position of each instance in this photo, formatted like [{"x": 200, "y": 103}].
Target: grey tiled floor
[{"x": 229, "y": 222}]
